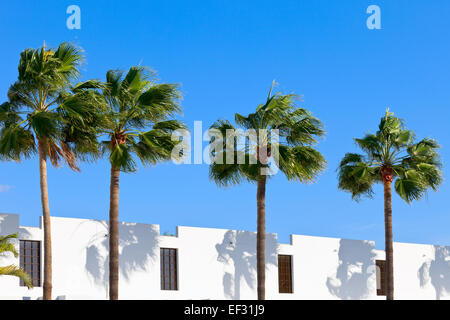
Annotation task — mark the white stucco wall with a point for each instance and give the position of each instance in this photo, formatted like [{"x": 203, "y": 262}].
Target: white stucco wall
[
  {"x": 221, "y": 264},
  {"x": 421, "y": 271}
]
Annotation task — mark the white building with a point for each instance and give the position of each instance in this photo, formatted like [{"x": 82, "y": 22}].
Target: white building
[{"x": 204, "y": 263}]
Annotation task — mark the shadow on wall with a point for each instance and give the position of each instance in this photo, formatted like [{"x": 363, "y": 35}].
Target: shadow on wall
[
  {"x": 24, "y": 234},
  {"x": 137, "y": 244},
  {"x": 9, "y": 224},
  {"x": 1, "y": 223},
  {"x": 437, "y": 272},
  {"x": 356, "y": 267},
  {"x": 238, "y": 252},
  {"x": 97, "y": 255}
]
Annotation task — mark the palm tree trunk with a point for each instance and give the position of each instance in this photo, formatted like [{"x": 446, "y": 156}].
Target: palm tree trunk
[
  {"x": 388, "y": 239},
  {"x": 114, "y": 235},
  {"x": 47, "y": 290},
  {"x": 261, "y": 238}
]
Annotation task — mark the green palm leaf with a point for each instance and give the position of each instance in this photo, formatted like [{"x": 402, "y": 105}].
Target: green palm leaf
[
  {"x": 5, "y": 247},
  {"x": 17, "y": 272}
]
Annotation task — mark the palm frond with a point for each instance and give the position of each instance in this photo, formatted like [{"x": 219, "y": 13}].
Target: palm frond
[
  {"x": 45, "y": 125},
  {"x": 16, "y": 143},
  {"x": 371, "y": 145},
  {"x": 7, "y": 246},
  {"x": 301, "y": 163},
  {"x": 410, "y": 188},
  {"x": 156, "y": 145},
  {"x": 225, "y": 174},
  {"x": 121, "y": 157},
  {"x": 300, "y": 128},
  {"x": 9, "y": 115},
  {"x": 69, "y": 58},
  {"x": 17, "y": 272},
  {"x": 357, "y": 176}
]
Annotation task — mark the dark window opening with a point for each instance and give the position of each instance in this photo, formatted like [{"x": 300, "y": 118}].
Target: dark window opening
[
  {"x": 30, "y": 260},
  {"x": 169, "y": 270},
  {"x": 285, "y": 273},
  {"x": 381, "y": 277}
]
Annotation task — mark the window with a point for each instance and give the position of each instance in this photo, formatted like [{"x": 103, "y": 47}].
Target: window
[
  {"x": 285, "y": 274},
  {"x": 169, "y": 269},
  {"x": 30, "y": 260},
  {"x": 381, "y": 277}
]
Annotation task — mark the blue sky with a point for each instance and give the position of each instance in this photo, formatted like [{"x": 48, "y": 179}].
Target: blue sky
[{"x": 225, "y": 55}]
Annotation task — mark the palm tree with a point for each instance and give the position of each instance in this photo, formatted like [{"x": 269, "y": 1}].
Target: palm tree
[
  {"x": 45, "y": 113},
  {"x": 12, "y": 270},
  {"x": 138, "y": 122},
  {"x": 391, "y": 154},
  {"x": 297, "y": 131}
]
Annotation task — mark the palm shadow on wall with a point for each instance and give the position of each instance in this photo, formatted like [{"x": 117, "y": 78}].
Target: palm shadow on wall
[
  {"x": 437, "y": 272},
  {"x": 238, "y": 252},
  {"x": 24, "y": 234},
  {"x": 356, "y": 266},
  {"x": 137, "y": 244}
]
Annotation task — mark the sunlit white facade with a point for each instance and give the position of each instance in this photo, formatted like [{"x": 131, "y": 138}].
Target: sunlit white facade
[{"x": 220, "y": 264}]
